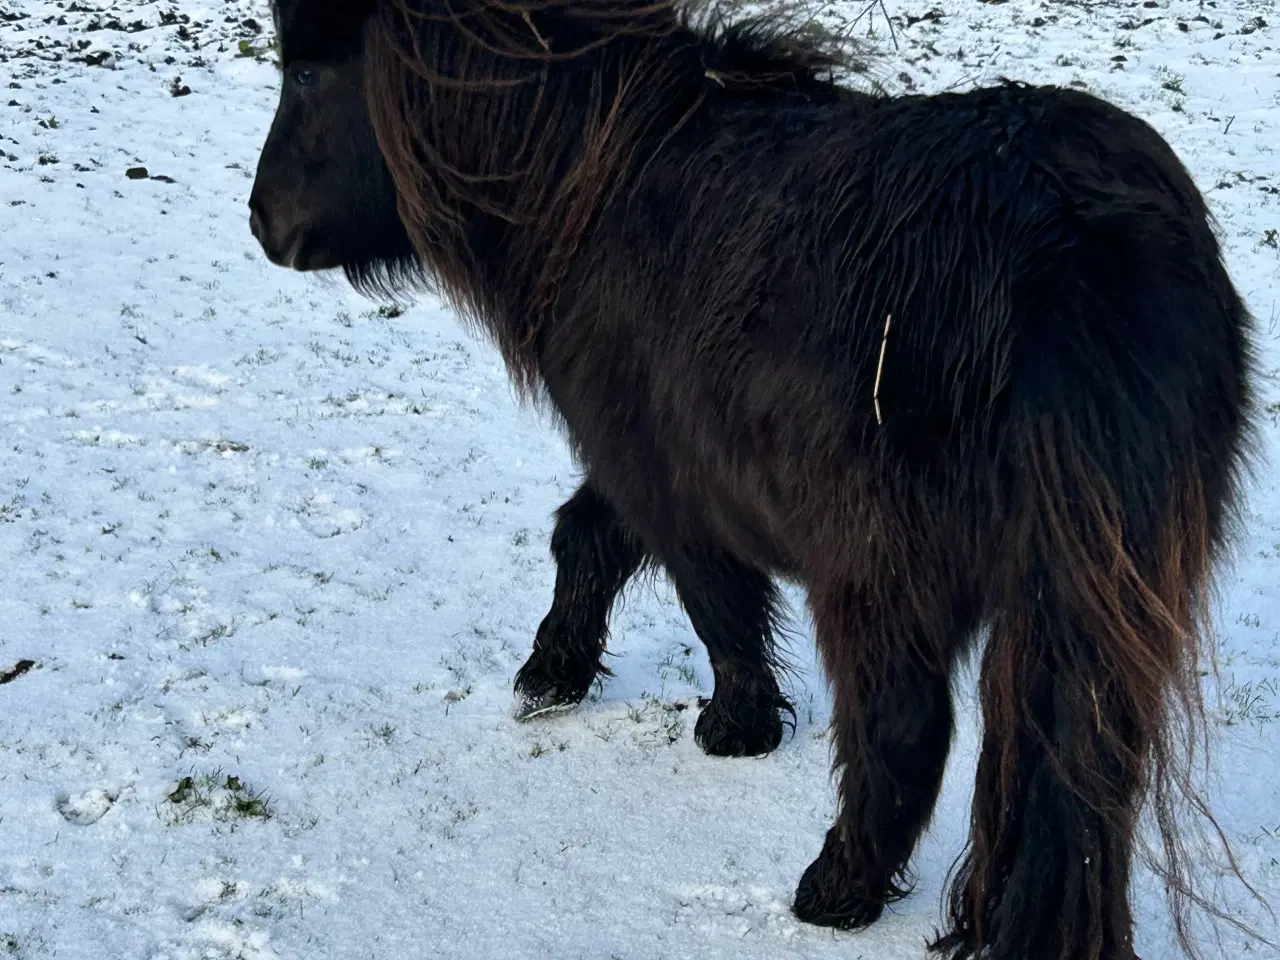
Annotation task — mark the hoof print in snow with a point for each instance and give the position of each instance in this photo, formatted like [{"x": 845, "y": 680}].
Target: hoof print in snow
[
  {"x": 454, "y": 696},
  {"x": 86, "y": 808}
]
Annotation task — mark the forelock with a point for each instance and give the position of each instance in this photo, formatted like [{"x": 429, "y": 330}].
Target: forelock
[{"x": 325, "y": 30}]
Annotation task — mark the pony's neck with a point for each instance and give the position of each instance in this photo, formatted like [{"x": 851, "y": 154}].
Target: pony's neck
[{"x": 505, "y": 132}]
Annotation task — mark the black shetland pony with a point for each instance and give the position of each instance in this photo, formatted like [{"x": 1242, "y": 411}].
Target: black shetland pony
[{"x": 949, "y": 361}]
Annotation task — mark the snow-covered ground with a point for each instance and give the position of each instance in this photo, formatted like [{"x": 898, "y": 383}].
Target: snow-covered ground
[{"x": 269, "y": 556}]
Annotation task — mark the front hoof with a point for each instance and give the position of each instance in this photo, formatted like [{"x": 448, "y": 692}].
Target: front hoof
[
  {"x": 827, "y": 895},
  {"x": 541, "y": 690},
  {"x": 743, "y": 720}
]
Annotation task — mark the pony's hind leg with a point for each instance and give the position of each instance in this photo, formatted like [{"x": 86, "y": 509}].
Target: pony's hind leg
[
  {"x": 888, "y": 654},
  {"x": 733, "y": 609},
  {"x": 595, "y": 554}
]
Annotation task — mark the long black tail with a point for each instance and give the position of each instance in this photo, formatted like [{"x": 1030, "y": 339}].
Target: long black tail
[{"x": 1127, "y": 446}]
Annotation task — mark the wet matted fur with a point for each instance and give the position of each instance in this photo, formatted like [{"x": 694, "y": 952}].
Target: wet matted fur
[{"x": 949, "y": 361}]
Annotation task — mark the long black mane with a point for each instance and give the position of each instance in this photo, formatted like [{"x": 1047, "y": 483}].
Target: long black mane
[{"x": 463, "y": 94}]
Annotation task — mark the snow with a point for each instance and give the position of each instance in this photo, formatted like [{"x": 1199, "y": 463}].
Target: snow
[{"x": 276, "y": 553}]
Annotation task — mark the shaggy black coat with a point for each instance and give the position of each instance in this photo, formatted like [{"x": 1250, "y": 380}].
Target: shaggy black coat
[{"x": 950, "y": 361}]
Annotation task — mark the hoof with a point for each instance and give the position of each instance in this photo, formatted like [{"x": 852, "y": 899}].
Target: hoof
[
  {"x": 543, "y": 689},
  {"x": 830, "y": 893},
  {"x": 745, "y": 719},
  {"x": 530, "y": 706}
]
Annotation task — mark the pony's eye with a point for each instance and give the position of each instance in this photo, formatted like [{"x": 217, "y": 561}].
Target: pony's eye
[{"x": 303, "y": 77}]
